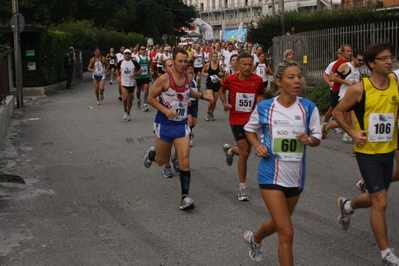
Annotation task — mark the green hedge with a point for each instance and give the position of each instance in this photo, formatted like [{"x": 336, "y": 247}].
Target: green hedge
[
  {"x": 50, "y": 48},
  {"x": 320, "y": 95},
  {"x": 86, "y": 37},
  {"x": 270, "y": 26}
]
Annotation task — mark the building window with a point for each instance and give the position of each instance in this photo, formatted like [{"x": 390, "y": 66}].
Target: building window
[
  {"x": 202, "y": 6},
  {"x": 226, "y": 3},
  {"x": 246, "y": 2}
]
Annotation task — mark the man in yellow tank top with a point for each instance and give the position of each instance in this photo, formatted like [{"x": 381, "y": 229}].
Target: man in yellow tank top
[{"x": 375, "y": 101}]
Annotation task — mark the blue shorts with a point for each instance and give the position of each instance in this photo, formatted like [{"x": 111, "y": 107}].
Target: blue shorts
[
  {"x": 168, "y": 133},
  {"x": 193, "y": 109},
  {"x": 98, "y": 78}
]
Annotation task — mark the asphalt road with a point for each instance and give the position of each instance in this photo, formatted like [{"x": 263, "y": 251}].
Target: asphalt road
[{"x": 88, "y": 199}]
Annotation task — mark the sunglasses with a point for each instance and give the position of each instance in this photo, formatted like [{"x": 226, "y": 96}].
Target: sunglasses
[
  {"x": 142, "y": 48},
  {"x": 128, "y": 53}
]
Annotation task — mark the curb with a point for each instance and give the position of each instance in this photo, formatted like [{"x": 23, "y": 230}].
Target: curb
[{"x": 5, "y": 117}]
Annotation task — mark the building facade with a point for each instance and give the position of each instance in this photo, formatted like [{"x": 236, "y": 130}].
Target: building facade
[{"x": 233, "y": 12}]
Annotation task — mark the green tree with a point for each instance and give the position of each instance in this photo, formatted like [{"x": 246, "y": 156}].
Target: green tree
[{"x": 152, "y": 18}]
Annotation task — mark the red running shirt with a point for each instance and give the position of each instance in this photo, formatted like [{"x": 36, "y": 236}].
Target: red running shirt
[{"x": 243, "y": 97}]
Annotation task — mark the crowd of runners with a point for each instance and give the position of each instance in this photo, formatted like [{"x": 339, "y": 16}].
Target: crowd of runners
[{"x": 279, "y": 128}]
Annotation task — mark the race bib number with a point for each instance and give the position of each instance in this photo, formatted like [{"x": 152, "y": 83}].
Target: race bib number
[
  {"x": 127, "y": 71},
  {"x": 112, "y": 61},
  {"x": 285, "y": 145},
  {"x": 245, "y": 102},
  {"x": 180, "y": 109},
  {"x": 214, "y": 79},
  {"x": 144, "y": 70},
  {"x": 381, "y": 127},
  {"x": 198, "y": 60}
]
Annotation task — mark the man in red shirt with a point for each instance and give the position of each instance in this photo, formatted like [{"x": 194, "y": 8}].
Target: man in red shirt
[
  {"x": 346, "y": 54},
  {"x": 246, "y": 89},
  {"x": 154, "y": 62}
]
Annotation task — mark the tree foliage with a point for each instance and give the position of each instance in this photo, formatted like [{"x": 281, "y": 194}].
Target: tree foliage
[
  {"x": 152, "y": 18},
  {"x": 270, "y": 26}
]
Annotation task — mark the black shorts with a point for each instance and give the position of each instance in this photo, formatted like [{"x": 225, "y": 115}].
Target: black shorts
[
  {"x": 141, "y": 82},
  {"x": 197, "y": 69},
  {"x": 265, "y": 83},
  {"x": 213, "y": 86},
  {"x": 129, "y": 89},
  {"x": 376, "y": 170},
  {"x": 155, "y": 68},
  {"x": 238, "y": 132},
  {"x": 112, "y": 66},
  {"x": 159, "y": 69},
  {"x": 289, "y": 192},
  {"x": 334, "y": 98},
  {"x": 193, "y": 109}
]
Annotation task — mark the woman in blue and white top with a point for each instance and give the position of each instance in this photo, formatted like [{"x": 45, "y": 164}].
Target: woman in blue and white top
[
  {"x": 287, "y": 124},
  {"x": 99, "y": 66}
]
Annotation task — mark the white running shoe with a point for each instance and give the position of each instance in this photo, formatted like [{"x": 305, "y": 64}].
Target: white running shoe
[
  {"x": 175, "y": 162},
  {"x": 167, "y": 172},
  {"x": 146, "y": 160},
  {"x": 228, "y": 158},
  {"x": 243, "y": 193},
  {"x": 390, "y": 259},
  {"x": 145, "y": 108},
  {"x": 255, "y": 252},
  {"x": 347, "y": 138},
  {"x": 125, "y": 116},
  {"x": 98, "y": 103},
  {"x": 344, "y": 219},
  {"x": 187, "y": 204},
  {"x": 361, "y": 186},
  {"x": 128, "y": 118}
]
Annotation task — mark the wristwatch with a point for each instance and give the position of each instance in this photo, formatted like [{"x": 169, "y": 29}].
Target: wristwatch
[{"x": 310, "y": 140}]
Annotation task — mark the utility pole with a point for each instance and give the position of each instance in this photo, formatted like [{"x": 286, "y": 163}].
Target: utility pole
[
  {"x": 281, "y": 13},
  {"x": 17, "y": 25},
  {"x": 273, "y": 8}
]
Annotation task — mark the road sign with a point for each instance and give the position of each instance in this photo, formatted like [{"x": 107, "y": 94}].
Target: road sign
[{"x": 17, "y": 22}]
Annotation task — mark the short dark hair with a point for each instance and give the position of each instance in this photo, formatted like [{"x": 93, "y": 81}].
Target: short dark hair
[
  {"x": 371, "y": 52},
  {"x": 357, "y": 52},
  {"x": 244, "y": 55},
  {"x": 189, "y": 65},
  {"x": 232, "y": 56},
  {"x": 179, "y": 51}
]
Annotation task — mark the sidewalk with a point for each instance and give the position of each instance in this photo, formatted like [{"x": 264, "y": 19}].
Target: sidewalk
[{"x": 7, "y": 111}]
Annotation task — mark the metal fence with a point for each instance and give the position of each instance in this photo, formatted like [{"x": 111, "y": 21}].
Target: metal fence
[{"x": 314, "y": 50}]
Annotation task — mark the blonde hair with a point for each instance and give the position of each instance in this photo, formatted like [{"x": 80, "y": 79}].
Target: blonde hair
[{"x": 288, "y": 52}]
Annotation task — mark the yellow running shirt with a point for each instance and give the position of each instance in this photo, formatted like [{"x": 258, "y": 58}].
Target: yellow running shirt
[{"x": 377, "y": 112}]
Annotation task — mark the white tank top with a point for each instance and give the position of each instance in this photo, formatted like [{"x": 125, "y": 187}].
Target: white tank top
[
  {"x": 261, "y": 71},
  {"x": 354, "y": 74},
  {"x": 165, "y": 57},
  {"x": 99, "y": 67},
  {"x": 206, "y": 57},
  {"x": 198, "y": 59}
]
